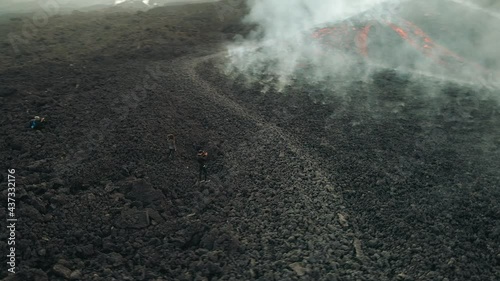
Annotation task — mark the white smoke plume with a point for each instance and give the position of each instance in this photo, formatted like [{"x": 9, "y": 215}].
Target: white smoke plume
[
  {"x": 487, "y": 10},
  {"x": 281, "y": 44}
]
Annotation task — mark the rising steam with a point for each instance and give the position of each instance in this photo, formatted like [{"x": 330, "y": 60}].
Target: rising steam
[{"x": 439, "y": 38}]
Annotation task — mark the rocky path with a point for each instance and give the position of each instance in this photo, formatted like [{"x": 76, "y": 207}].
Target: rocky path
[
  {"x": 417, "y": 181},
  {"x": 304, "y": 213}
]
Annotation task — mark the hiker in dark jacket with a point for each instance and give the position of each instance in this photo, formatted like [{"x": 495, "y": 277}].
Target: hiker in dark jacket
[
  {"x": 202, "y": 159},
  {"x": 172, "y": 148},
  {"x": 37, "y": 122}
]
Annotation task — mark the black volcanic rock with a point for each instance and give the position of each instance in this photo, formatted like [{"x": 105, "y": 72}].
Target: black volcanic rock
[
  {"x": 372, "y": 181},
  {"x": 7, "y": 91}
]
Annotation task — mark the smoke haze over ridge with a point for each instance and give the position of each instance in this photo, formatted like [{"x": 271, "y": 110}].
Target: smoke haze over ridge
[{"x": 282, "y": 41}]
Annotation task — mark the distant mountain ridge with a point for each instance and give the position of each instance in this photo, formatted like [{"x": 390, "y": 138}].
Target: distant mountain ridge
[{"x": 29, "y": 6}]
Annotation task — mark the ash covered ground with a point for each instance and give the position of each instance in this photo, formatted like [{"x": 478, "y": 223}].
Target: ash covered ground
[{"x": 383, "y": 178}]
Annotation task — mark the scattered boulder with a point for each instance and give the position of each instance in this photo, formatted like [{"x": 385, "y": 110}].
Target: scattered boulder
[
  {"x": 76, "y": 275},
  {"x": 110, "y": 187},
  {"x": 358, "y": 249},
  {"x": 57, "y": 182},
  {"x": 62, "y": 271},
  {"x": 39, "y": 166},
  {"x": 298, "y": 268},
  {"x": 29, "y": 211},
  {"x": 7, "y": 91},
  {"x": 131, "y": 218},
  {"x": 141, "y": 190},
  {"x": 402, "y": 277},
  {"x": 115, "y": 259},
  {"x": 154, "y": 215},
  {"x": 86, "y": 251},
  {"x": 342, "y": 220}
]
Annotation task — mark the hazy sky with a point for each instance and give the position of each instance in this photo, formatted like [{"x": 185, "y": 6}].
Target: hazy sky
[{"x": 22, "y": 4}]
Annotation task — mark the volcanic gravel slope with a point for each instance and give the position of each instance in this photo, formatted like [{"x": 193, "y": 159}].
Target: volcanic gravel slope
[
  {"x": 295, "y": 194},
  {"x": 269, "y": 211},
  {"x": 384, "y": 183},
  {"x": 417, "y": 172}
]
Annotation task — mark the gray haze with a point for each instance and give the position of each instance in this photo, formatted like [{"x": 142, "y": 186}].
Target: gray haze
[
  {"x": 26, "y": 6},
  {"x": 282, "y": 41}
]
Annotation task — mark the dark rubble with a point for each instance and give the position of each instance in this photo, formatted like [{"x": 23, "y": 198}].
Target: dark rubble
[{"x": 389, "y": 184}]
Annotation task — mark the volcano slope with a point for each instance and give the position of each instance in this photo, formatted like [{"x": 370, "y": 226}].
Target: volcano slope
[
  {"x": 385, "y": 183},
  {"x": 417, "y": 173}
]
